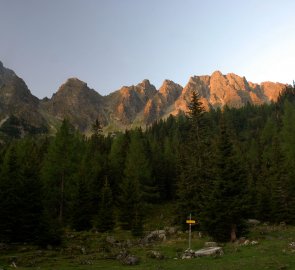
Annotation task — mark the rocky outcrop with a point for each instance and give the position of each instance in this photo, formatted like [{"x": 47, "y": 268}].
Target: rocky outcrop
[
  {"x": 204, "y": 252},
  {"x": 76, "y": 102},
  {"x": 130, "y": 106},
  {"x": 16, "y": 99},
  {"x": 125, "y": 104},
  {"x": 232, "y": 90}
]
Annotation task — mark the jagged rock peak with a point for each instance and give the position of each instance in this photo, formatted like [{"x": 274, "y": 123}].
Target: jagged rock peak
[
  {"x": 169, "y": 85},
  {"x": 72, "y": 84},
  {"x": 145, "y": 83},
  {"x": 6, "y": 71},
  {"x": 169, "y": 82},
  {"x": 216, "y": 73},
  {"x": 75, "y": 81},
  {"x": 146, "y": 88},
  {"x": 192, "y": 79}
]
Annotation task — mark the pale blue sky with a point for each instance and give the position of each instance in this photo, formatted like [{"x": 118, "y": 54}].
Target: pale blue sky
[{"x": 110, "y": 43}]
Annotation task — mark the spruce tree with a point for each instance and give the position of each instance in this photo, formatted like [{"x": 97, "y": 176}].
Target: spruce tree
[
  {"x": 226, "y": 207},
  {"x": 82, "y": 216},
  {"x": 136, "y": 188},
  {"x": 262, "y": 205},
  {"x": 32, "y": 208},
  {"x": 11, "y": 184},
  {"x": 58, "y": 171},
  {"x": 278, "y": 181},
  {"x": 117, "y": 157},
  {"x": 288, "y": 147},
  {"x": 106, "y": 220},
  {"x": 194, "y": 163}
]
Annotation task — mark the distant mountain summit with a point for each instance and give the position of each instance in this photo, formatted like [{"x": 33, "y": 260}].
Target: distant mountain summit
[
  {"x": 17, "y": 105},
  {"x": 75, "y": 101},
  {"x": 130, "y": 106}
]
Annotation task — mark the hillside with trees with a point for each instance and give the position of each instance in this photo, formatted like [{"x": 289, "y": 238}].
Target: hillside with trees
[{"x": 222, "y": 166}]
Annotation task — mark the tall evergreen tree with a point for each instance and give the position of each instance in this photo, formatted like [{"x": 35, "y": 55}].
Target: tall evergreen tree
[
  {"x": 136, "y": 187},
  {"x": 11, "y": 184},
  {"x": 82, "y": 215},
  {"x": 278, "y": 181},
  {"x": 262, "y": 184},
  {"x": 30, "y": 159},
  {"x": 117, "y": 157},
  {"x": 194, "y": 163},
  {"x": 226, "y": 207},
  {"x": 106, "y": 220},
  {"x": 288, "y": 146},
  {"x": 58, "y": 170}
]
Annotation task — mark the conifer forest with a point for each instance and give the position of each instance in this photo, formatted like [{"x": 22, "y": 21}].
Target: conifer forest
[{"x": 223, "y": 166}]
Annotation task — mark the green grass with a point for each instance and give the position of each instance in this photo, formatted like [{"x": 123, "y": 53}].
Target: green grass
[{"x": 272, "y": 252}]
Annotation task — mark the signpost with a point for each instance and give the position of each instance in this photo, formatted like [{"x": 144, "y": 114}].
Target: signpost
[{"x": 190, "y": 221}]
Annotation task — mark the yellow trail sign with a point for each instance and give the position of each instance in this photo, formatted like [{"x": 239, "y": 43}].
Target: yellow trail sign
[{"x": 190, "y": 221}]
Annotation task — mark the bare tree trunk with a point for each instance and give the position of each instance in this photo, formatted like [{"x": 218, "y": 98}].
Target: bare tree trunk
[{"x": 233, "y": 234}]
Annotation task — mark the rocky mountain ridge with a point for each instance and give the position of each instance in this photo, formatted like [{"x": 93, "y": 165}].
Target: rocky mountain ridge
[{"x": 130, "y": 106}]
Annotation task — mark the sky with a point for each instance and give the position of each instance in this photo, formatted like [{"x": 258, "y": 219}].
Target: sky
[{"x": 111, "y": 43}]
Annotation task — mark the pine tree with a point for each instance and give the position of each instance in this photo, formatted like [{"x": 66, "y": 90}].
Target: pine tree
[
  {"x": 278, "y": 181},
  {"x": 58, "y": 171},
  {"x": 262, "y": 205},
  {"x": 10, "y": 197},
  {"x": 227, "y": 204},
  {"x": 30, "y": 162},
  {"x": 106, "y": 221},
  {"x": 117, "y": 157},
  {"x": 136, "y": 188},
  {"x": 194, "y": 163},
  {"x": 288, "y": 147},
  {"x": 82, "y": 215},
  {"x": 131, "y": 203}
]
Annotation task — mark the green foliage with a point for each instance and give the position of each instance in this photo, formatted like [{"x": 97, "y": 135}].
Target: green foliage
[
  {"x": 137, "y": 174},
  {"x": 20, "y": 193},
  {"x": 194, "y": 163},
  {"x": 58, "y": 170},
  {"x": 10, "y": 197},
  {"x": 82, "y": 216},
  {"x": 215, "y": 165},
  {"x": 106, "y": 220},
  {"x": 15, "y": 127},
  {"x": 226, "y": 205},
  {"x": 116, "y": 159}
]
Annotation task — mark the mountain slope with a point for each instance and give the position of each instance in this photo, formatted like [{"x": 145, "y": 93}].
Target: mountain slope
[
  {"x": 18, "y": 107},
  {"x": 136, "y": 105},
  {"x": 78, "y": 103}
]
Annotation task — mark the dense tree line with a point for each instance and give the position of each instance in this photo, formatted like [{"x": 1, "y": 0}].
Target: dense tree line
[{"x": 221, "y": 166}]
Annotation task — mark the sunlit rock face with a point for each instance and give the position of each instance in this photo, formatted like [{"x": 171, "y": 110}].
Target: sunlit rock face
[
  {"x": 130, "y": 106},
  {"x": 232, "y": 90},
  {"x": 17, "y": 100}
]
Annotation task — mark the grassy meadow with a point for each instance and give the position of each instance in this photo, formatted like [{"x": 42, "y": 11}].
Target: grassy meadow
[{"x": 89, "y": 250}]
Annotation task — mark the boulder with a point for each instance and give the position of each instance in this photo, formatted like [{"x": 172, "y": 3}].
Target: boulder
[
  {"x": 171, "y": 230},
  {"x": 127, "y": 259},
  {"x": 209, "y": 251},
  {"x": 188, "y": 254},
  {"x": 130, "y": 260},
  {"x": 156, "y": 236},
  {"x": 246, "y": 243},
  {"x": 155, "y": 255},
  {"x": 253, "y": 222},
  {"x": 111, "y": 240},
  {"x": 210, "y": 244}
]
